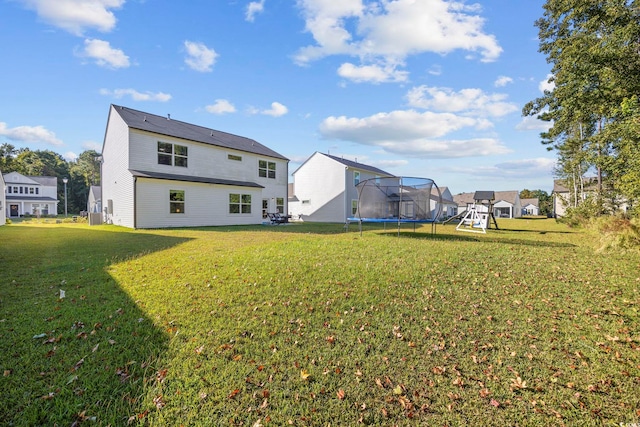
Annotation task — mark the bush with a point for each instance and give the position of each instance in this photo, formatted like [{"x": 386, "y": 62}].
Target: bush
[
  {"x": 617, "y": 233},
  {"x": 581, "y": 215}
]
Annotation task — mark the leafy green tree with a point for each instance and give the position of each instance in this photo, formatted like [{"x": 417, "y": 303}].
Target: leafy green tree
[
  {"x": 7, "y": 155},
  {"x": 593, "y": 47}
]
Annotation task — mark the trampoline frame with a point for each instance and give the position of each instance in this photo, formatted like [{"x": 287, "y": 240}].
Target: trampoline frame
[{"x": 399, "y": 219}]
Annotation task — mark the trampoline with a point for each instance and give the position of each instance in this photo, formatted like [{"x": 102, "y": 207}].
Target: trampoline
[{"x": 398, "y": 200}]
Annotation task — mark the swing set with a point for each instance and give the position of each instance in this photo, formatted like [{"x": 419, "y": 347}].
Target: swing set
[{"x": 478, "y": 216}]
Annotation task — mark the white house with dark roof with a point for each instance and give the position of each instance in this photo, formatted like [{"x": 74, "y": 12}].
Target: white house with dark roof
[
  {"x": 30, "y": 195},
  {"x": 3, "y": 201},
  {"x": 160, "y": 172},
  {"x": 324, "y": 188},
  {"x": 505, "y": 205},
  {"x": 530, "y": 206}
]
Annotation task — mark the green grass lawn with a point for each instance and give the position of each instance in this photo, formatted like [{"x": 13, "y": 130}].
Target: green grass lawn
[{"x": 308, "y": 325}]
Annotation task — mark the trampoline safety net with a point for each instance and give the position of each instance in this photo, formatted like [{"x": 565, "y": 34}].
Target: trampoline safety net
[{"x": 401, "y": 199}]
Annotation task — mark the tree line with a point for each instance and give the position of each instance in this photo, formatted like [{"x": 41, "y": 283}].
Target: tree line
[
  {"x": 81, "y": 173},
  {"x": 593, "y": 108}
]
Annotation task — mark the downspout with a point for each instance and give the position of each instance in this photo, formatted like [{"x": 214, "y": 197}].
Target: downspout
[
  {"x": 135, "y": 204},
  {"x": 346, "y": 193}
]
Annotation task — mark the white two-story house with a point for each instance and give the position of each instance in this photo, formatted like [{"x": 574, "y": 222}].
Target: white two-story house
[
  {"x": 324, "y": 188},
  {"x": 30, "y": 195},
  {"x": 159, "y": 172}
]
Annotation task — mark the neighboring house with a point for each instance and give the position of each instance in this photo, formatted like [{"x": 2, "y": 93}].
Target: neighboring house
[
  {"x": 324, "y": 188},
  {"x": 94, "y": 205},
  {"x": 564, "y": 197},
  {"x": 94, "y": 201},
  {"x": 449, "y": 206},
  {"x": 30, "y": 195},
  {"x": 505, "y": 205},
  {"x": 530, "y": 206},
  {"x": 160, "y": 172},
  {"x": 3, "y": 201}
]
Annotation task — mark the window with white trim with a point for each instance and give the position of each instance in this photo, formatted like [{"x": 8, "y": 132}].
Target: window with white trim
[
  {"x": 239, "y": 203},
  {"x": 266, "y": 169},
  {"x": 280, "y": 205},
  {"x": 234, "y": 157},
  {"x": 176, "y": 201},
  {"x": 354, "y": 207},
  {"x": 356, "y": 177},
  {"x": 172, "y": 154}
]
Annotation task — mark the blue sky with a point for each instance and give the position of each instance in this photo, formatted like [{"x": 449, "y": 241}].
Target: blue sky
[{"x": 425, "y": 88}]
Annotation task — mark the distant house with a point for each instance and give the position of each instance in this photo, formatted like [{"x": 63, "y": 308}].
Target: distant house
[
  {"x": 530, "y": 206},
  {"x": 563, "y": 197},
  {"x": 505, "y": 205},
  {"x": 449, "y": 206},
  {"x": 324, "y": 188},
  {"x": 94, "y": 201},
  {"x": 3, "y": 201},
  {"x": 30, "y": 195},
  {"x": 160, "y": 172}
]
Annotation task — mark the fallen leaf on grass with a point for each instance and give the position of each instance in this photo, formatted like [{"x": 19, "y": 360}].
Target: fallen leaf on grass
[
  {"x": 518, "y": 383},
  {"x": 305, "y": 375},
  {"x": 233, "y": 394},
  {"x": 159, "y": 402},
  {"x": 77, "y": 365},
  {"x": 494, "y": 403},
  {"x": 341, "y": 395}
]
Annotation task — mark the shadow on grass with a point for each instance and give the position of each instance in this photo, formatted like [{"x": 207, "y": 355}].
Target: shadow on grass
[
  {"x": 86, "y": 355},
  {"x": 469, "y": 237}
]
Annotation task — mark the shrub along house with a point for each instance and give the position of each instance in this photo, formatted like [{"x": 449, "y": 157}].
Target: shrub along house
[
  {"x": 30, "y": 195},
  {"x": 324, "y": 188},
  {"x": 160, "y": 172}
]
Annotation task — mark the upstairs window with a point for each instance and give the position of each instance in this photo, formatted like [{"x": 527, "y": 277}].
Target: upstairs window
[
  {"x": 172, "y": 154},
  {"x": 266, "y": 169},
  {"x": 356, "y": 177},
  {"x": 234, "y": 157}
]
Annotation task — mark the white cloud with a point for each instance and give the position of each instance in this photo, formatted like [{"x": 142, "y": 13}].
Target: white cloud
[
  {"x": 390, "y": 164},
  {"x": 35, "y": 134},
  {"x": 371, "y": 73},
  {"x": 533, "y": 123},
  {"x": 466, "y": 101},
  {"x": 92, "y": 145},
  {"x": 135, "y": 95},
  {"x": 75, "y": 16},
  {"x": 413, "y": 133},
  {"x": 254, "y": 8},
  {"x": 221, "y": 106},
  {"x": 502, "y": 81},
  {"x": 516, "y": 169},
  {"x": 389, "y": 31},
  {"x": 276, "y": 110},
  {"x": 546, "y": 84},
  {"x": 70, "y": 156},
  {"x": 104, "y": 55},
  {"x": 199, "y": 56}
]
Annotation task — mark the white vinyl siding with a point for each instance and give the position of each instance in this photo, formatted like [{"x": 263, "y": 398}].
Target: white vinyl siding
[
  {"x": 205, "y": 204},
  {"x": 116, "y": 180},
  {"x": 127, "y": 150}
]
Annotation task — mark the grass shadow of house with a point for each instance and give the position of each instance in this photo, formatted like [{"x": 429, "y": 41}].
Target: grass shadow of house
[{"x": 87, "y": 354}]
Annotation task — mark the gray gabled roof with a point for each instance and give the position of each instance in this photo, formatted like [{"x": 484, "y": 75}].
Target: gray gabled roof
[
  {"x": 190, "y": 178},
  {"x": 356, "y": 165},
  {"x": 166, "y": 126},
  {"x": 349, "y": 163}
]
